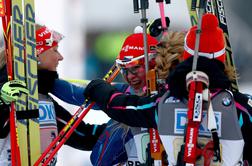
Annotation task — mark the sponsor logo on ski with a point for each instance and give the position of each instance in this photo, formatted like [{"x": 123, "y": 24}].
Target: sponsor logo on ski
[
  {"x": 221, "y": 11},
  {"x": 181, "y": 118},
  {"x": 32, "y": 81},
  {"x": 209, "y": 7},
  {"x": 18, "y": 52}
]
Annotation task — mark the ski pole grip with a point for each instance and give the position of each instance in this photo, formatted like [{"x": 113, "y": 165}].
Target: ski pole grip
[
  {"x": 136, "y": 6},
  {"x": 198, "y": 76},
  {"x": 194, "y": 4}
]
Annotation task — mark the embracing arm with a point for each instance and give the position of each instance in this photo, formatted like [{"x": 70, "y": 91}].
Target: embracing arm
[
  {"x": 73, "y": 94},
  {"x": 68, "y": 92},
  {"x": 129, "y": 109}
]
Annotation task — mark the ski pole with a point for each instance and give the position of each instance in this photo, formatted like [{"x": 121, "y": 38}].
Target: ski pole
[
  {"x": 196, "y": 82},
  {"x": 162, "y": 15},
  {"x": 6, "y": 14},
  {"x": 73, "y": 123},
  {"x": 73, "y": 127}
]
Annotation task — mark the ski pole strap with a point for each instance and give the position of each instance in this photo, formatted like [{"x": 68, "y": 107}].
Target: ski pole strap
[
  {"x": 196, "y": 82},
  {"x": 27, "y": 114}
]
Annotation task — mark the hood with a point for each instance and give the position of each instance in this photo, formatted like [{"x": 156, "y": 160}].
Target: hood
[{"x": 213, "y": 68}]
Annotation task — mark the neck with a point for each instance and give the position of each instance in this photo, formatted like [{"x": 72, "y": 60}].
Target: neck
[{"x": 140, "y": 92}]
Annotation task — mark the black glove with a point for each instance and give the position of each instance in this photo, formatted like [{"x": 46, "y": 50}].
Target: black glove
[
  {"x": 99, "y": 91},
  {"x": 155, "y": 27}
]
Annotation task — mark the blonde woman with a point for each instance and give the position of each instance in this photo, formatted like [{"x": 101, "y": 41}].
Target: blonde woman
[{"x": 53, "y": 117}]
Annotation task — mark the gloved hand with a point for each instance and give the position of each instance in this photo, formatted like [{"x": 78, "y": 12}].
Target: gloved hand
[
  {"x": 99, "y": 91},
  {"x": 154, "y": 28},
  {"x": 11, "y": 91}
]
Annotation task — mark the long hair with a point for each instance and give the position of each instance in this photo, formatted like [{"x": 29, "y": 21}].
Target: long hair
[
  {"x": 231, "y": 72},
  {"x": 169, "y": 53}
]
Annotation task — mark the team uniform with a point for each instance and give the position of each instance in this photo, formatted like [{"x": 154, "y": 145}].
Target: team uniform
[{"x": 143, "y": 111}]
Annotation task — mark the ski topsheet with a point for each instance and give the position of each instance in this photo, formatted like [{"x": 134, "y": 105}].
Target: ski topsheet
[
  {"x": 218, "y": 6},
  {"x": 19, "y": 74},
  {"x": 25, "y": 69},
  {"x": 6, "y": 22},
  {"x": 31, "y": 80}
]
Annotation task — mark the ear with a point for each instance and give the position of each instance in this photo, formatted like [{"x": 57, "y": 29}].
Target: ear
[{"x": 38, "y": 59}]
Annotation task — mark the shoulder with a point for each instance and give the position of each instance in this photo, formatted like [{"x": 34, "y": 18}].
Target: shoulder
[{"x": 243, "y": 102}]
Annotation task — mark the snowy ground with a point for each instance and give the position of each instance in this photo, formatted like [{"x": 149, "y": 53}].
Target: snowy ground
[{"x": 69, "y": 156}]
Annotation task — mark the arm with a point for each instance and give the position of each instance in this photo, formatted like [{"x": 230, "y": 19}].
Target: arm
[
  {"x": 244, "y": 109},
  {"x": 84, "y": 136},
  {"x": 68, "y": 92},
  {"x": 73, "y": 94},
  {"x": 129, "y": 109}
]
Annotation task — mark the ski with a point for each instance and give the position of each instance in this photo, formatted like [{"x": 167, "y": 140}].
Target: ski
[
  {"x": 25, "y": 69},
  {"x": 218, "y": 6},
  {"x": 31, "y": 80},
  {"x": 19, "y": 74},
  {"x": 192, "y": 11},
  {"x": 5, "y": 12}
]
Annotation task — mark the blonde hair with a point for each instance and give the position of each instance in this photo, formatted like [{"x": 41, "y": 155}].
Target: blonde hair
[
  {"x": 169, "y": 53},
  {"x": 230, "y": 72}
]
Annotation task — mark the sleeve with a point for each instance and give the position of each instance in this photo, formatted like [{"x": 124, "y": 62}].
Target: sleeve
[
  {"x": 133, "y": 110},
  {"x": 68, "y": 92},
  {"x": 84, "y": 136},
  {"x": 244, "y": 108},
  {"x": 73, "y": 94}
]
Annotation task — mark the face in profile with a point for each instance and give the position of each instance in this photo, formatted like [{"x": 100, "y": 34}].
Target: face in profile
[{"x": 49, "y": 59}]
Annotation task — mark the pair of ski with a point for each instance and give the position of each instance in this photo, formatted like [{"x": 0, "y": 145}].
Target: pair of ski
[
  {"x": 22, "y": 65},
  {"x": 18, "y": 19}
]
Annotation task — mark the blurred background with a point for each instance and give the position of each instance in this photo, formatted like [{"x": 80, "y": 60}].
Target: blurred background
[{"x": 94, "y": 31}]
